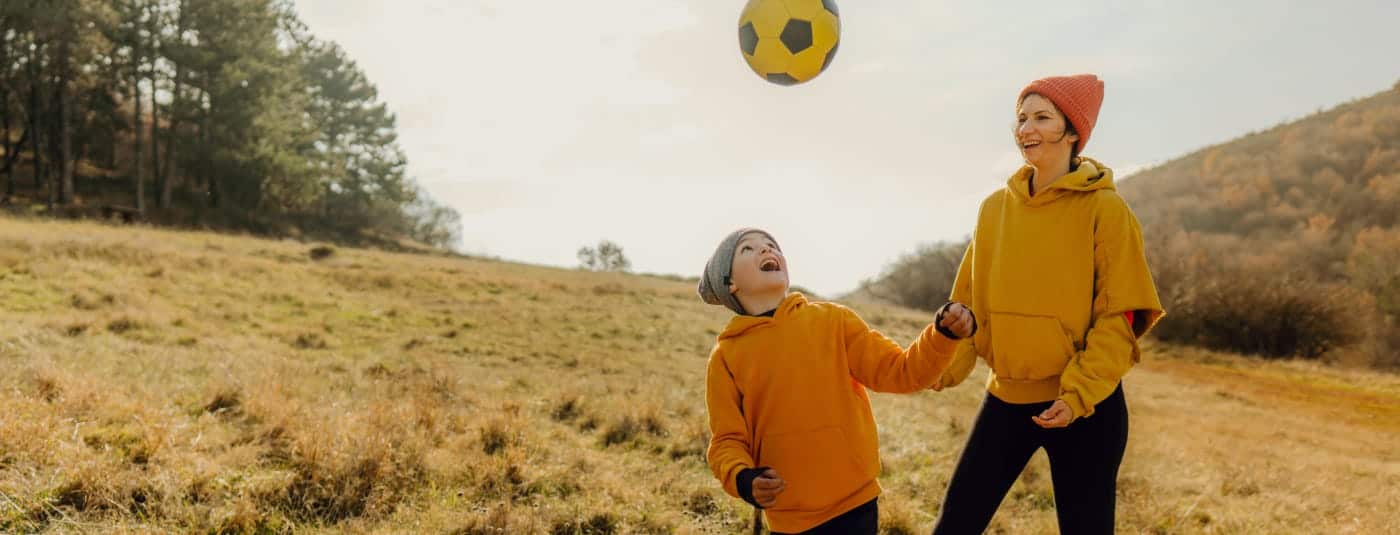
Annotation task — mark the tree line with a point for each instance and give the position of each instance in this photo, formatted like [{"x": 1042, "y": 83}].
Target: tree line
[{"x": 214, "y": 112}]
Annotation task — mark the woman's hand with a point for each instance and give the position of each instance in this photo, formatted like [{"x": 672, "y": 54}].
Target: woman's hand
[
  {"x": 766, "y": 488},
  {"x": 1058, "y": 415}
]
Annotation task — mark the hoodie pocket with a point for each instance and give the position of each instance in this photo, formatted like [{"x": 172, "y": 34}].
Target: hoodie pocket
[
  {"x": 819, "y": 467},
  {"x": 1028, "y": 347}
]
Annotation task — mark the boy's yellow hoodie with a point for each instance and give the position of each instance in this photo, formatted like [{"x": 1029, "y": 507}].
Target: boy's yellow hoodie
[
  {"x": 786, "y": 392},
  {"x": 1051, "y": 278}
]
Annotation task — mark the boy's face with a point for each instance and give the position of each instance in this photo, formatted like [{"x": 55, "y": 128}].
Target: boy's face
[{"x": 759, "y": 266}]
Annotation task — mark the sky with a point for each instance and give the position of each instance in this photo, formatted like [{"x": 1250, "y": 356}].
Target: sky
[{"x": 554, "y": 124}]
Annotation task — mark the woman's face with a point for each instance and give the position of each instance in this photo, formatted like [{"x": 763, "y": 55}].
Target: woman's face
[{"x": 1040, "y": 132}]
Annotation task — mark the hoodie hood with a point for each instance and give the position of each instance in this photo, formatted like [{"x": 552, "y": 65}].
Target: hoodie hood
[
  {"x": 742, "y": 324},
  {"x": 1089, "y": 176}
]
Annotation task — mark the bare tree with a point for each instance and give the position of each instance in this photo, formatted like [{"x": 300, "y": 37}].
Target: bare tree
[{"x": 607, "y": 256}]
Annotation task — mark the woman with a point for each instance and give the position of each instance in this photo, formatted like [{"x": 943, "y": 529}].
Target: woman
[{"x": 1057, "y": 277}]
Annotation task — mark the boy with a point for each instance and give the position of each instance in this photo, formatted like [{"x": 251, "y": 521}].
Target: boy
[{"x": 791, "y": 426}]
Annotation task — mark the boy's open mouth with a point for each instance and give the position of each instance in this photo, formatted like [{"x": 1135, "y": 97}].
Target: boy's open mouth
[
  {"x": 769, "y": 265},
  {"x": 1030, "y": 144}
]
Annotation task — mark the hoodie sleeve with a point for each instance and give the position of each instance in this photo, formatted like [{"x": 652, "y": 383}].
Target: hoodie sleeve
[
  {"x": 880, "y": 364},
  {"x": 730, "y": 443},
  {"x": 965, "y": 356},
  {"x": 1122, "y": 284}
]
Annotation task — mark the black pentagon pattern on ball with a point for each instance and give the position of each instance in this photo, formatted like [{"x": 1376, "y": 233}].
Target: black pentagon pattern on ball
[
  {"x": 830, "y": 54},
  {"x": 797, "y": 35},
  {"x": 830, "y": 5},
  {"x": 748, "y": 39},
  {"x": 781, "y": 78}
]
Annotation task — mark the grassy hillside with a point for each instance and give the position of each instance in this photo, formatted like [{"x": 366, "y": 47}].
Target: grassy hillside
[
  {"x": 1342, "y": 163},
  {"x": 1302, "y": 215},
  {"x": 190, "y": 382}
]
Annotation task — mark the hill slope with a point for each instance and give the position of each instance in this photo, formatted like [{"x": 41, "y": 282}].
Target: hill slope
[
  {"x": 1342, "y": 163},
  {"x": 193, "y": 382},
  {"x": 1313, "y": 202}
]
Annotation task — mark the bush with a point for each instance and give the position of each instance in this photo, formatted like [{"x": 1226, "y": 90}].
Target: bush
[
  {"x": 606, "y": 257},
  {"x": 621, "y": 431},
  {"x": 321, "y": 252},
  {"x": 1247, "y": 311},
  {"x": 922, "y": 279}
]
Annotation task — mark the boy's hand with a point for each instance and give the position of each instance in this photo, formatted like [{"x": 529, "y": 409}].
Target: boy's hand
[
  {"x": 955, "y": 318},
  {"x": 766, "y": 488},
  {"x": 938, "y": 385}
]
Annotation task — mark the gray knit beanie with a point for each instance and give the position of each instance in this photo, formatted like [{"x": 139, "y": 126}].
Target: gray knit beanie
[{"x": 714, "y": 282}]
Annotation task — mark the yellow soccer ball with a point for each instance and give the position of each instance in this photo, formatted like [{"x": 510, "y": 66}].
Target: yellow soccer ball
[{"x": 788, "y": 42}]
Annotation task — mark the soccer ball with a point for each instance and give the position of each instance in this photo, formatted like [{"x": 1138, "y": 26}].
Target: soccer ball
[{"x": 788, "y": 42}]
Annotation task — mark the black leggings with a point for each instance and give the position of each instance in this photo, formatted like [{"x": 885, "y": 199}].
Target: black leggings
[
  {"x": 863, "y": 520},
  {"x": 1084, "y": 459}
]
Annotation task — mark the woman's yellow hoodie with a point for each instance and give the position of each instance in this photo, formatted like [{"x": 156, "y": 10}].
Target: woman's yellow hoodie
[
  {"x": 786, "y": 392},
  {"x": 1051, "y": 278}
]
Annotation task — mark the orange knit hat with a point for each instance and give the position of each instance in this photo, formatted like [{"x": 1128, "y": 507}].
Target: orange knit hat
[{"x": 1078, "y": 97}]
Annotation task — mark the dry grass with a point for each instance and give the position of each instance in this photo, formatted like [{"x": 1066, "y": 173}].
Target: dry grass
[{"x": 161, "y": 381}]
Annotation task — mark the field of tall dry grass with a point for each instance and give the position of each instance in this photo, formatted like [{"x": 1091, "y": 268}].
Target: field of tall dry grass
[{"x": 184, "y": 382}]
